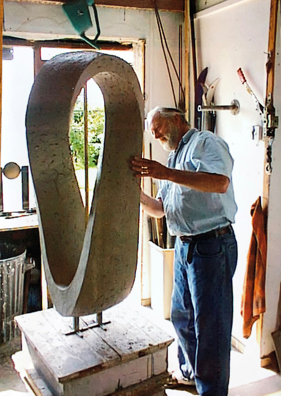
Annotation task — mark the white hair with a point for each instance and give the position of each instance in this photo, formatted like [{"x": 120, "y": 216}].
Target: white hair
[{"x": 165, "y": 112}]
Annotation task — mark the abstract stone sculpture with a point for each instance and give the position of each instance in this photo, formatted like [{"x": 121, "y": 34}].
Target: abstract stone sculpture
[{"x": 90, "y": 270}]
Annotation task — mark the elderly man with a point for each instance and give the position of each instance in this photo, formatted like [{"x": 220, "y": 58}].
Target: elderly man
[{"x": 196, "y": 196}]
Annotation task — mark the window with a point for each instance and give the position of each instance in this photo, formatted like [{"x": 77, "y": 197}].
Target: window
[{"x": 18, "y": 77}]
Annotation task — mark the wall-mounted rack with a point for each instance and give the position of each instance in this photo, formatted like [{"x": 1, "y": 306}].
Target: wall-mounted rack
[{"x": 234, "y": 107}]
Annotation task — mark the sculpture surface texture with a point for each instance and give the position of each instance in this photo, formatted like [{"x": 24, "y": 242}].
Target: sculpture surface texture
[{"x": 87, "y": 270}]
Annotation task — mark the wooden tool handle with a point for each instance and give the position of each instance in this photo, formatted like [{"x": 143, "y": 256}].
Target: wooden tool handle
[{"x": 241, "y": 75}]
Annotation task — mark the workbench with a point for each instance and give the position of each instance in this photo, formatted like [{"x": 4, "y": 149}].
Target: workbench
[{"x": 20, "y": 222}]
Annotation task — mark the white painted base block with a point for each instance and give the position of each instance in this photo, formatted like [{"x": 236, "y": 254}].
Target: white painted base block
[{"x": 129, "y": 350}]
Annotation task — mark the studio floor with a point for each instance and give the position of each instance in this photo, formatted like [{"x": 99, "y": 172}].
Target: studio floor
[{"x": 247, "y": 377}]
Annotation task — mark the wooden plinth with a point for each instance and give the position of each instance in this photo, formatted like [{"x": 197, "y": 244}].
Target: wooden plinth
[{"x": 126, "y": 356}]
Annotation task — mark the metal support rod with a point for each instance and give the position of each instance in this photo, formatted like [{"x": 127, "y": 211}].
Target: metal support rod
[
  {"x": 99, "y": 318},
  {"x": 234, "y": 107},
  {"x": 215, "y": 108},
  {"x": 76, "y": 323},
  {"x": 86, "y": 154}
]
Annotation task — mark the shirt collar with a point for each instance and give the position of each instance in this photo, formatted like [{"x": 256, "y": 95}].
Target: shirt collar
[{"x": 186, "y": 137}]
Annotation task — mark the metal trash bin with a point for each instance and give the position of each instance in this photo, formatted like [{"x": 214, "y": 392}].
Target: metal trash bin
[{"x": 13, "y": 266}]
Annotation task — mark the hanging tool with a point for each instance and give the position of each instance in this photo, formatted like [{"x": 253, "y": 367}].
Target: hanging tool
[
  {"x": 204, "y": 97},
  {"x": 78, "y": 13},
  {"x": 267, "y": 112},
  {"x": 268, "y": 118},
  {"x": 200, "y": 82},
  {"x": 209, "y": 117},
  {"x": 243, "y": 80}
]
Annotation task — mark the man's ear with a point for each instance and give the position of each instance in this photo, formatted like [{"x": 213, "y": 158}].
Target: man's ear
[{"x": 177, "y": 120}]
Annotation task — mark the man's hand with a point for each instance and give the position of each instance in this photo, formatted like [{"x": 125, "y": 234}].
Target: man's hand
[
  {"x": 148, "y": 168},
  {"x": 152, "y": 206},
  {"x": 200, "y": 181}
]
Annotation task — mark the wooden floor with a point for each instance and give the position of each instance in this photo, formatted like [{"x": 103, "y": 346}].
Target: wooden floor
[{"x": 247, "y": 377}]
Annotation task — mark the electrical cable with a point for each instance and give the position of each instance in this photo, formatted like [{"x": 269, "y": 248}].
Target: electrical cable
[
  {"x": 166, "y": 61},
  {"x": 163, "y": 40},
  {"x": 162, "y": 30}
]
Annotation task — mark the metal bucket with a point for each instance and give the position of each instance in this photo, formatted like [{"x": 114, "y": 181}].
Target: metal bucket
[{"x": 13, "y": 266}]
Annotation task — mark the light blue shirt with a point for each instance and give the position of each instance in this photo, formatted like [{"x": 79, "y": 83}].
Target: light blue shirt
[{"x": 191, "y": 212}]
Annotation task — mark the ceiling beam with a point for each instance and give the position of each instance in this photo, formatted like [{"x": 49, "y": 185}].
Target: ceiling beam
[
  {"x": 165, "y": 5},
  {"x": 162, "y": 5},
  {"x": 9, "y": 41}
]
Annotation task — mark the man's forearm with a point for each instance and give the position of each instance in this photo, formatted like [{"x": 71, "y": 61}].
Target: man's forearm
[
  {"x": 200, "y": 181},
  {"x": 152, "y": 206}
]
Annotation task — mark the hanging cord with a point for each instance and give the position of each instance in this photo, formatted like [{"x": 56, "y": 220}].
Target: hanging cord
[{"x": 163, "y": 40}]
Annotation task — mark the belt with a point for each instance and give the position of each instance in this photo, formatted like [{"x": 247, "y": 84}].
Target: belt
[
  {"x": 192, "y": 239},
  {"x": 206, "y": 235}
]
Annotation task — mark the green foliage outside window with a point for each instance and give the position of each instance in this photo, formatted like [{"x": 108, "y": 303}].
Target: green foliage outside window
[{"x": 96, "y": 119}]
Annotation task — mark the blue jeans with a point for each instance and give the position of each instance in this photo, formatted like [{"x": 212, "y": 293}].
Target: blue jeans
[{"x": 202, "y": 311}]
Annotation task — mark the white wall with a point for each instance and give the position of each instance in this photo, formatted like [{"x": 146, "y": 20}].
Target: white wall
[
  {"x": 231, "y": 35},
  {"x": 41, "y": 21}
]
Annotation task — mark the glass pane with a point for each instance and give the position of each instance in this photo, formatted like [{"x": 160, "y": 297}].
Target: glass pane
[
  {"x": 18, "y": 77},
  {"x": 95, "y": 120}
]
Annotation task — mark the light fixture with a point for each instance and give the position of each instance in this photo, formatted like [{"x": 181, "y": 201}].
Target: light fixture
[{"x": 11, "y": 170}]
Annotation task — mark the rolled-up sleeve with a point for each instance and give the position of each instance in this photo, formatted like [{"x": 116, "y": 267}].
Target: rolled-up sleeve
[{"x": 212, "y": 156}]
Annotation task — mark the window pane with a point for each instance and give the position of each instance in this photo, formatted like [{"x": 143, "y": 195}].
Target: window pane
[{"x": 18, "y": 78}]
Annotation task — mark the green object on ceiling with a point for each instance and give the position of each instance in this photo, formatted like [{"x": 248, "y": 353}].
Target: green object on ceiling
[{"x": 78, "y": 13}]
